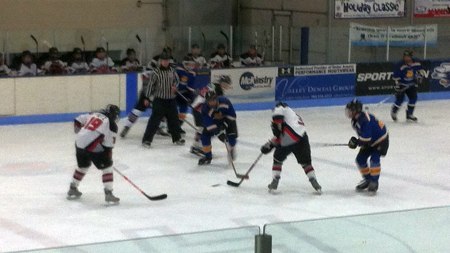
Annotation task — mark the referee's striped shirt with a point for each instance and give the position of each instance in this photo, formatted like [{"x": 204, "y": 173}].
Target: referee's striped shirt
[{"x": 161, "y": 82}]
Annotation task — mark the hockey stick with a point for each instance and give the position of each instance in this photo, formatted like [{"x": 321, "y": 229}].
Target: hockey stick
[
  {"x": 107, "y": 55},
  {"x": 84, "y": 47},
  {"x": 386, "y": 99},
  {"x": 226, "y": 38},
  {"x": 37, "y": 48},
  {"x": 152, "y": 198},
  {"x": 230, "y": 161},
  {"x": 234, "y": 184},
  {"x": 329, "y": 144},
  {"x": 140, "y": 48},
  {"x": 204, "y": 40}
]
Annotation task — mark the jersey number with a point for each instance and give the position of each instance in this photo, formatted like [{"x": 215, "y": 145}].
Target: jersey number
[{"x": 93, "y": 124}]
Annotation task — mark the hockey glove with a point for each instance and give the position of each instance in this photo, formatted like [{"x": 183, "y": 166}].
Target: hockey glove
[
  {"x": 353, "y": 143},
  {"x": 222, "y": 136},
  {"x": 267, "y": 147}
]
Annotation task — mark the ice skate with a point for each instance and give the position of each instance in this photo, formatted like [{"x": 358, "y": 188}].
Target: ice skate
[
  {"x": 373, "y": 188},
  {"x": 180, "y": 142},
  {"x": 394, "y": 116},
  {"x": 410, "y": 117},
  {"x": 197, "y": 151},
  {"x": 274, "y": 184},
  {"x": 73, "y": 192},
  {"x": 124, "y": 131},
  {"x": 316, "y": 185},
  {"x": 204, "y": 161},
  {"x": 110, "y": 198},
  {"x": 362, "y": 185},
  {"x": 147, "y": 144},
  {"x": 162, "y": 131}
]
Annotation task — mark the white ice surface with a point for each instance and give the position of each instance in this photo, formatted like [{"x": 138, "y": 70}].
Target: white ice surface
[{"x": 37, "y": 162}]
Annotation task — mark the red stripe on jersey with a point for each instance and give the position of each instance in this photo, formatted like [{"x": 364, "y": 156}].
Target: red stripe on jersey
[
  {"x": 107, "y": 177},
  {"x": 291, "y": 134},
  {"x": 94, "y": 144}
]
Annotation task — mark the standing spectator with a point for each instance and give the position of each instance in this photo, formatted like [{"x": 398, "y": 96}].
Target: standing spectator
[
  {"x": 196, "y": 55},
  {"x": 28, "y": 67},
  {"x": 101, "y": 63},
  {"x": 54, "y": 66},
  {"x": 130, "y": 63},
  {"x": 251, "y": 58},
  {"x": 4, "y": 70},
  {"x": 162, "y": 88},
  {"x": 220, "y": 58},
  {"x": 78, "y": 63}
]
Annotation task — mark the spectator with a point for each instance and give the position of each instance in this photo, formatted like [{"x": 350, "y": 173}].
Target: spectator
[
  {"x": 101, "y": 63},
  {"x": 130, "y": 63},
  {"x": 54, "y": 66},
  {"x": 4, "y": 70},
  {"x": 196, "y": 55},
  {"x": 78, "y": 62},
  {"x": 251, "y": 58},
  {"x": 220, "y": 58},
  {"x": 155, "y": 60},
  {"x": 28, "y": 67}
]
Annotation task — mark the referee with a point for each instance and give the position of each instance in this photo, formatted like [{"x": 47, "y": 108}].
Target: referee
[{"x": 162, "y": 88}]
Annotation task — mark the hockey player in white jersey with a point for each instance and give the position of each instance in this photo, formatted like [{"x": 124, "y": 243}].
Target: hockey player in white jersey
[
  {"x": 289, "y": 137},
  {"x": 96, "y": 135}
]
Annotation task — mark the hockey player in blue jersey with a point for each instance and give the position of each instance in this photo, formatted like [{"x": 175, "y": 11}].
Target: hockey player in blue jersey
[
  {"x": 407, "y": 75},
  {"x": 219, "y": 118},
  {"x": 373, "y": 140},
  {"x": 186, "y": 87}
]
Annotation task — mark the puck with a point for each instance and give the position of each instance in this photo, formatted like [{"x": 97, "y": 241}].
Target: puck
[{"x": 215, "y": 185}]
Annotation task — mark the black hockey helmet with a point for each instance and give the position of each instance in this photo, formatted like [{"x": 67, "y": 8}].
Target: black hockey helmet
[
  {"x": 220, "y": 46},
  {"x": 224, "y": 79},
  {"x": 210, "y": 95},
  {"x": 353, "y": 107},
  {"x": 281, "y": 103},
  {"x": 100, "y": 50},
  {"x": 27, "y": 53},
  {"x": 195, "y": 45},
  {"x": 77, "y": 50},
  {"x": 131, "y": 51},
  {"x": 408, "y": 52},
  {"x": 112, "y": 112}
]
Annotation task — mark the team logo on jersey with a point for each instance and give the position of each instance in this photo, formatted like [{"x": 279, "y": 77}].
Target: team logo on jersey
[{"x": 249, "y": 81}]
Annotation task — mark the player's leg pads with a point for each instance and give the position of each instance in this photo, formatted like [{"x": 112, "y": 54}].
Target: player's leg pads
[
  {"x": 108, "y": 178},
  {"x": 78, "y": 175}
]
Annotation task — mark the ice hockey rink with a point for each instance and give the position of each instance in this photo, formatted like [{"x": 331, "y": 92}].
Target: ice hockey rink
[{"x": 37, "y": 162}]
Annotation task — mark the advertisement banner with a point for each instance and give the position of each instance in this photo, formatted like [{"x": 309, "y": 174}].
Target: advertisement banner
[
  {"x": 440, "y": 75},
  {"x": 369, "y": 9},
  {"x": 407, "y": 36},
  {"x": 432, "y": 8},
  {"x": 249, "y": 85},
  {"x": 376, "y": 78},
  {"x": 313, "y": 82}
]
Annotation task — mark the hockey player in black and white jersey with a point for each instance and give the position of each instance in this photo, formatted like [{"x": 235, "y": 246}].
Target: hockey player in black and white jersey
[
  {"x": 220, "y": 58},
  {"x": 28, "y": 67},
  {"x": 251, "y": 58},
  {"x": 196, "y": 55},
  {"x": 130, "y": 63},
  {"x": 96, "y": 135},
  {"x": 289, "y": 137},
  {"x": 78, "y": 64},
  {"x": 54, "y": 65}
]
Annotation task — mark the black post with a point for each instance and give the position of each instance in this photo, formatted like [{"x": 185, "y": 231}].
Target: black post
[{"x": 304, "y": 46}]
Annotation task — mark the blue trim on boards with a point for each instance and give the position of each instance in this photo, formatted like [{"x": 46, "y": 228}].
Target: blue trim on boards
[
  {"x": 65, "y": 117},
  {"x": 131, "y": 91}
]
